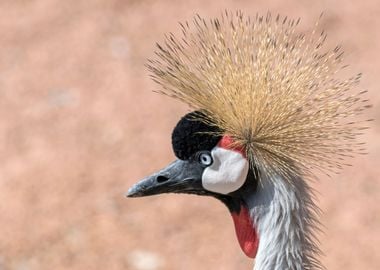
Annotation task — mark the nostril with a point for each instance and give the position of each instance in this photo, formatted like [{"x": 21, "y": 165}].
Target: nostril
[{"x": 162, "y": 178}]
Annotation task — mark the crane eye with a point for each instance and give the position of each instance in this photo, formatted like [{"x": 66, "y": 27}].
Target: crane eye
[{"x": 205, "y": 159}]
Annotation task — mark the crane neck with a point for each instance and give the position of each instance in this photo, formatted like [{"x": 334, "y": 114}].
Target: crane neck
[{"x": 284, "y": 215}]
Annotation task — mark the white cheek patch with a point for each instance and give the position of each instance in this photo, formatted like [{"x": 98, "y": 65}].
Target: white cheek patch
[{"x": 227, "y": 173}]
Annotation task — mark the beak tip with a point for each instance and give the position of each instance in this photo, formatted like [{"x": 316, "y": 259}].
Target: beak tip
[{"x": 131, "y": 193}]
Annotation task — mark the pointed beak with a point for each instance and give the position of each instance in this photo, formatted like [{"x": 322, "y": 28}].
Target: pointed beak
[{"x": 181, "y": 176}]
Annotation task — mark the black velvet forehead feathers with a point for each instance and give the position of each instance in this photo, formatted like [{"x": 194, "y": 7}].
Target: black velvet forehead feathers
[{"x": 192, "y": 135}]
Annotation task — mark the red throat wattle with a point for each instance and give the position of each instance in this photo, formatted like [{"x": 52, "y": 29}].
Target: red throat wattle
[
  {"x": 246, "y": 232},
  {"x": 244, "y": 226}
]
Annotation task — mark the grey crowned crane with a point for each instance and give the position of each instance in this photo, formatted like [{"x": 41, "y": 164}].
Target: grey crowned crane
[{"x": 269, "y": 110}]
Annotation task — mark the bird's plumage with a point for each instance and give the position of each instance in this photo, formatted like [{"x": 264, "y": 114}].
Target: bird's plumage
[{"x": 271, "y": 108}]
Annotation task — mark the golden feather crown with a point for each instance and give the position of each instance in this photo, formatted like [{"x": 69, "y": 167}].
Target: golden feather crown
[{"x": 276, "y": 92}]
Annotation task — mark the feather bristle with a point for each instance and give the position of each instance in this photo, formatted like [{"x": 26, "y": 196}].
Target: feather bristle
[{"x": 276, "y": 91}]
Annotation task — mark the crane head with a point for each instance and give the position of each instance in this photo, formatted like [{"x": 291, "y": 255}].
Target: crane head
[{"x": 208, "y": 164}]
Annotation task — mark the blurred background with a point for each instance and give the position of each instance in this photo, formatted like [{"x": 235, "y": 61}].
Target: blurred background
[{"x": 79, "y": 124}]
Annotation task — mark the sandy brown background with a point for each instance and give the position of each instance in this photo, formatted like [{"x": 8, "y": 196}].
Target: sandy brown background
[{"x": 79, "y": 124}]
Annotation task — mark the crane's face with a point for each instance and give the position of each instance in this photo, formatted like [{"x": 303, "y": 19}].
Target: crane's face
[{"x": 206, "y": 164}]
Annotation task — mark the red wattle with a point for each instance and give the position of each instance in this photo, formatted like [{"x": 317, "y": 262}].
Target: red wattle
[{"x": 246, "y": 232}]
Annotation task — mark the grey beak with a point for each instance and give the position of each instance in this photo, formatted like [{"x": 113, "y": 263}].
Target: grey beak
[{"x": 181, "y": 176}]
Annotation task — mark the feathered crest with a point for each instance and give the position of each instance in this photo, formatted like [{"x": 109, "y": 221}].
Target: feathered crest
[{"x": 275, "y": 91}]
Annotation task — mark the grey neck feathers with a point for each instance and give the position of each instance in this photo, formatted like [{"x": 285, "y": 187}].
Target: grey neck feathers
[{"x": 285, "y": 218}]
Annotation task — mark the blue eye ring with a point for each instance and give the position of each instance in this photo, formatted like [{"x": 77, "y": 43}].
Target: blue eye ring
[{"x": 205, "y": 158}]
